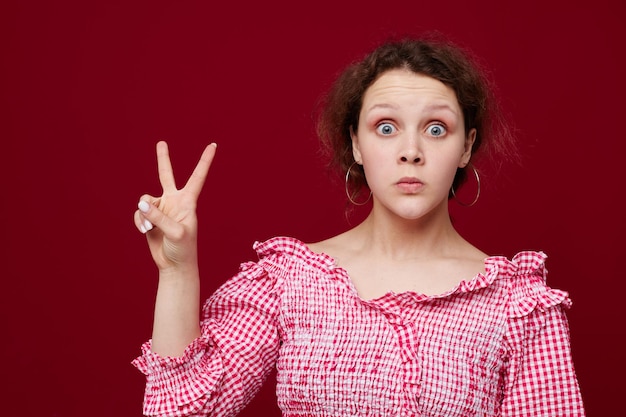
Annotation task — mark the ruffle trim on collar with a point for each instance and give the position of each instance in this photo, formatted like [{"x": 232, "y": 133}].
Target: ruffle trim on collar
[{"x": 524, "y": 275}]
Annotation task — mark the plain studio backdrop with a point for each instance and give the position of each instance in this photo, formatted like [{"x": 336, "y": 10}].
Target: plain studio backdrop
[{"x": 88, "y": 88}]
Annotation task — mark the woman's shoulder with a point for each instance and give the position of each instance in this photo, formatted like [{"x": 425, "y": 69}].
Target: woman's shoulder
[
  {"x": 524, "y": 263},
  {"x": 332, "y": 246},
  {"x": 290, "y": 249},
  {"x": 281, "y": 257},
  {"x": 525, "y": 276}
]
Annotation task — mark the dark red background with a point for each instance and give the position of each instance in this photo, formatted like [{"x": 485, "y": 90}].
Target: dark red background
[{"x": 87, "y": 88}]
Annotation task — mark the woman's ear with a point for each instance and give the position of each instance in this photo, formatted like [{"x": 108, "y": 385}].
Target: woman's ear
[
  {"x": 356, "y": 152},
  {"x": 467, "y": 148}
]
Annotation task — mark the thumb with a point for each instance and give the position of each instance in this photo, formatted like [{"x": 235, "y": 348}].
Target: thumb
[{"x": 157, "y": 218}]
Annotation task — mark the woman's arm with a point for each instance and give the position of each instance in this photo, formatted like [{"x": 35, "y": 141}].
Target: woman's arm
[
  {"x": 170, "y": 225},
  {"x": 540, "y": 379}
]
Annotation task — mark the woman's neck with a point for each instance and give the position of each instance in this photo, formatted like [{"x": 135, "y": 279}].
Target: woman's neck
[{"x": 385, "y": 234}]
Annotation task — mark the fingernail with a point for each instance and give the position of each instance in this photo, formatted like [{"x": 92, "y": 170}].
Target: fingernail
[
  {"x": 143, "y": 229},
  {"x": 214, "y": 144},
  {"x": 147, "y": 225},
  {"x": 144, "y": 206}
]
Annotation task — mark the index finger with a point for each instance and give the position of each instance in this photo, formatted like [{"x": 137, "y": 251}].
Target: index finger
[
  {"x": 166, "y": 173},
  {"x": 198, "y": 176}
]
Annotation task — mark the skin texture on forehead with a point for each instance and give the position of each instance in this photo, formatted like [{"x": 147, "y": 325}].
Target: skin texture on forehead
[{"x": 400, "y": 83}]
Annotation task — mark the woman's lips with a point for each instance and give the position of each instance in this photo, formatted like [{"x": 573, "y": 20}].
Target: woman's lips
[{"x": 410, "y": 185}]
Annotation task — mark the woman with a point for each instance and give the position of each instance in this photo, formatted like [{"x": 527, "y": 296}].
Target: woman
[{"x": 397, "y": 316}]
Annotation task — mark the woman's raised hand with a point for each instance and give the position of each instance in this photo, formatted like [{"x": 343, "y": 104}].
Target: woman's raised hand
[{"x": 170, "y": 221}]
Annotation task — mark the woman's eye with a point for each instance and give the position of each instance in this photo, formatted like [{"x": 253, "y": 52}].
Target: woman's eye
[
  {"x": 385, "y": 129},
  {"x": 436, "y": 130}
]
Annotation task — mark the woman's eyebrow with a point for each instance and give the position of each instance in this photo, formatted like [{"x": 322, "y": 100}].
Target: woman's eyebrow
[
  {"x": 440, "y": 106},
  {"x": 383, "y": 106}
]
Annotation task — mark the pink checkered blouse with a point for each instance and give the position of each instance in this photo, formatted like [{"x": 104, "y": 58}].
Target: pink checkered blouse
[{"x": 497, "y": 345}]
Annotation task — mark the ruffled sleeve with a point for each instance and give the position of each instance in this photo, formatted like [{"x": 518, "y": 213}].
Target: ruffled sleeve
[
  {"x": 221, "y": 371},
  {"x": 539, "y": 379}
]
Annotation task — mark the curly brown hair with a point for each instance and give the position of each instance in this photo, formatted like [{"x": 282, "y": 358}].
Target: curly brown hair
[{"x": 432, "y": 56}]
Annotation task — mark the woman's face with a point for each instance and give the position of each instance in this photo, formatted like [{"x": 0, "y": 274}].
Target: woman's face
[{"x": 410, "y": 140}]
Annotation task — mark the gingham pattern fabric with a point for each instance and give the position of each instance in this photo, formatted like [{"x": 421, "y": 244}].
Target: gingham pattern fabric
[{"x": 497, "y": 345}]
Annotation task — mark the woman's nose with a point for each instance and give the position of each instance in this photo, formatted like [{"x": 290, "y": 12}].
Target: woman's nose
[{"x": 411, "y": 152}]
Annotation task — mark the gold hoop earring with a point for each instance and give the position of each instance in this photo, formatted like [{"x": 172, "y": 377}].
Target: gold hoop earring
[
  {"x": 477, "y": 191},
  {"x": 348, "y": 193}
]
